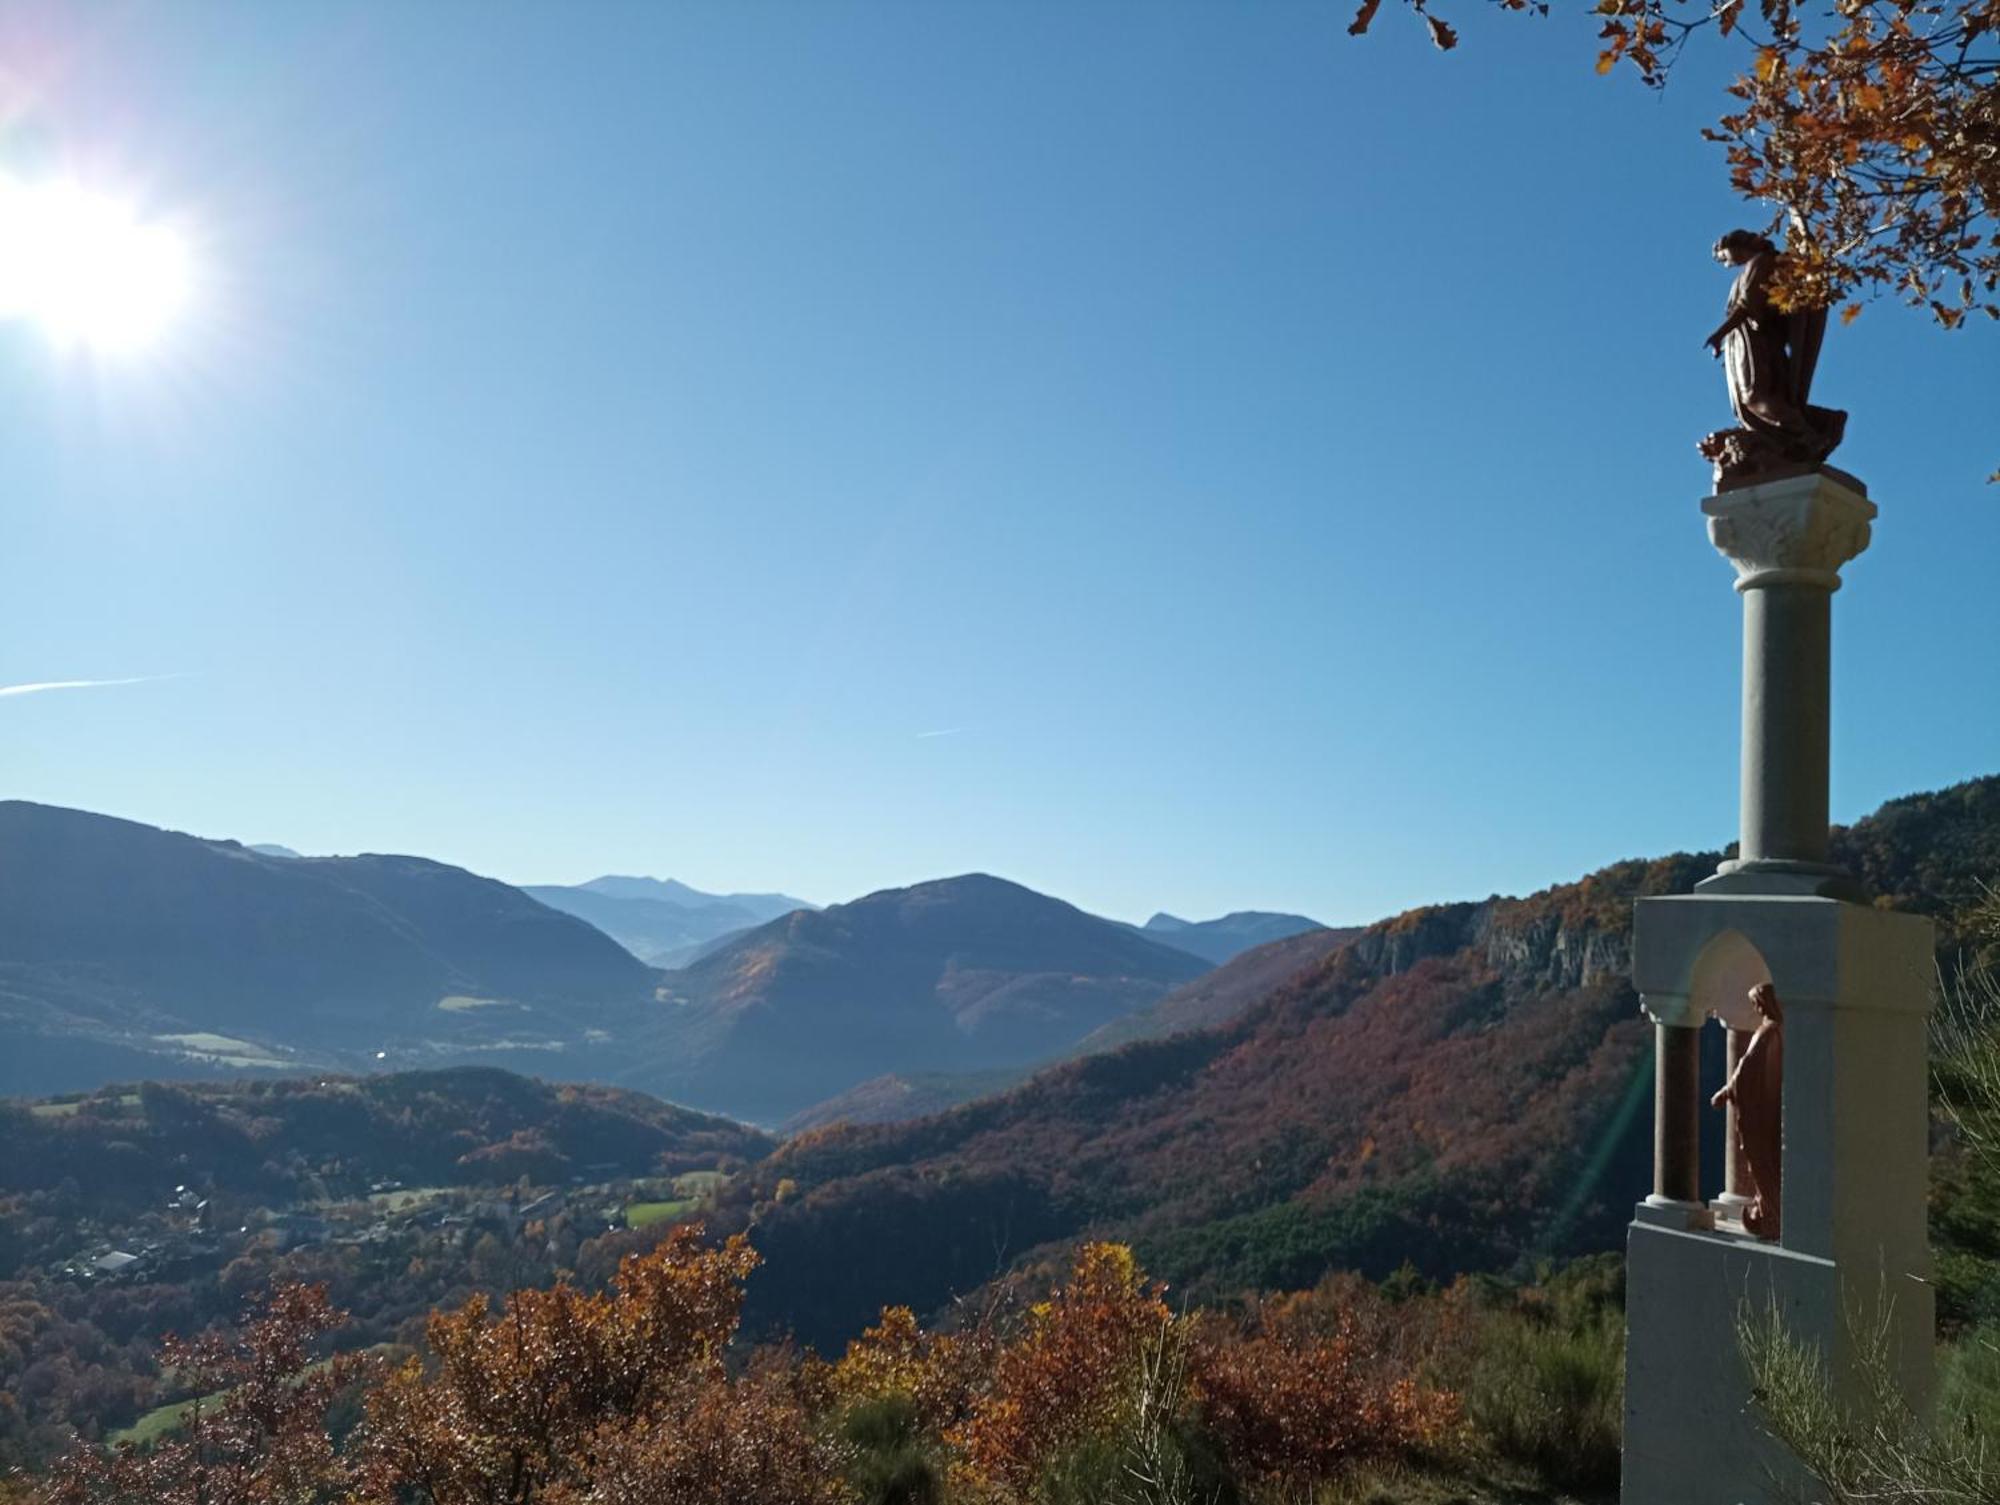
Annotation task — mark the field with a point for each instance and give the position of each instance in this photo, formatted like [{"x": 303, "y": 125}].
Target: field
[
  {"x": 644, "y": 1214},
  {"x": 159, "y": 1421},
  {"x": 691, "y": 1190}
]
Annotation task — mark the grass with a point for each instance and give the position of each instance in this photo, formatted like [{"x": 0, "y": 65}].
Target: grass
[
  {"x": 406, "y": 1198},
  {"x": 691, "y": 1190},
  {"x": 161, "y": 1420},
  {"x": 1551, "y": 1398},
  {"x": 69, "y": 1107}
]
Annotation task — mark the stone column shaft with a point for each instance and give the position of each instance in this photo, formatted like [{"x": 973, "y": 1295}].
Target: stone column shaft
[
  {"x": 1677, "y": 1113},
  {"x": 1787, "y": 669}
]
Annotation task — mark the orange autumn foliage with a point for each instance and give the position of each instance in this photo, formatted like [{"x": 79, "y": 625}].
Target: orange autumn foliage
[
  {"x": 630, "y": 1396},
  {"x": 1070, "y": 1374},
  {"x": 620, "y": 1395},
  {"x": 1292, "y": 1411}
]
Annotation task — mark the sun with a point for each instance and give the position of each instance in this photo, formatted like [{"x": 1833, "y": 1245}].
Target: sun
[{"x": 88, "y": 268}]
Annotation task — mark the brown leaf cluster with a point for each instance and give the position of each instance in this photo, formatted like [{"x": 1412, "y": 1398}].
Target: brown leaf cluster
[
  {"x": 265, "y": 1441},
  {"x": 623, "y": 1395},
  {"x": 1070, "y": 1375},
  {"x": 1293, "y": 1411}
]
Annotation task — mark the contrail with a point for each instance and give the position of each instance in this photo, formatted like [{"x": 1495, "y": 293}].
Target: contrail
[
  {"x": 81, "y": 684},
  {"x": 950, "y": 731}
]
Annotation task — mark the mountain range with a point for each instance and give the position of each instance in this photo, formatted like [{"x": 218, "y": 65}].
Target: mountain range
[
  {"x": 1461, "y": 1086},
  {"x": 131, "y": 952},
  {"x": 128, "y": 951},
  {"x": 958, "y": 975}
]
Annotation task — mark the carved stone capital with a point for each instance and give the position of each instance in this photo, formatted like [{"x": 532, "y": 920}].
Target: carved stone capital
[
  {"x": 1795, "y": 531},
  {"x": 1671, "y": 1009}
]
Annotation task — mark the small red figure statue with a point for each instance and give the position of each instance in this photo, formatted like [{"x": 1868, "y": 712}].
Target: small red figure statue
[{"x": 1757, "y": 1087}]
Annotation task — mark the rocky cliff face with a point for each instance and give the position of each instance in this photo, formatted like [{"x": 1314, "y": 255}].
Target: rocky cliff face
[
  {"x": 1562, "y": 938},
  {"x": 1549, "y": 953}
]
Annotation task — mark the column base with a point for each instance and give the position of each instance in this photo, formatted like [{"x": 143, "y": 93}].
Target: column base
[
  {"x": 1779, "y": 877},
  {"x": 1667, "y": 1212},
  {"x": 1726, "y": 1211}
]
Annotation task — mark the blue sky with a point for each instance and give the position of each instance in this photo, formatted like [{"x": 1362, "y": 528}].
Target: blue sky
[{"x": 1175, "y": 456}]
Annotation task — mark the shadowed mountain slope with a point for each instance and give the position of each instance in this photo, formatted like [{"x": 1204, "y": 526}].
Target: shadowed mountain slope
[
  {"x": 128, "y": 950},
  {"x": 1219, "y": 996},
  {"x": 1210, "y": 999},
  {"x": 962, "y": 974},
  {"x": 1462, "y": 1086}
]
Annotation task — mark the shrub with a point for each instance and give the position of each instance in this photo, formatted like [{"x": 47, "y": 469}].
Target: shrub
[
  {"x": 1072, "y": 1376},
  {"x": 1544, "y": 1382},
  {"x": 1296, "y": 1412},
  {"x": 892, "y": 1456}
]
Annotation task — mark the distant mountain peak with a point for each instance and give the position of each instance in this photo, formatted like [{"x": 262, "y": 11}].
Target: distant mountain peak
[
  {"x": 1219, "y": 941},
  {"x": 662, "y": 920},
  {"x": 273, "y": 849},
  {"x": 673, "y": 891},
  {"x": 971, "y": 972}
]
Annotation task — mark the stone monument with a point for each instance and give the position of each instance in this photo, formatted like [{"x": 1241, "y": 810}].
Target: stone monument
[{"x": 1835, "y": 1243}]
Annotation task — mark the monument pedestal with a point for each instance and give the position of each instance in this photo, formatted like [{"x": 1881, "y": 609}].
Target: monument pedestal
[{"x": 1851, "y": 1257}]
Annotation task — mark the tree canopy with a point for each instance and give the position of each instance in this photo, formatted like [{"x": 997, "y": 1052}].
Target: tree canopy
[{"x": 1870, "y": 130}]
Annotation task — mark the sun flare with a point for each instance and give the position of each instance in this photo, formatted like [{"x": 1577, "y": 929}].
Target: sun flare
[{"x": 88, "y": 268}]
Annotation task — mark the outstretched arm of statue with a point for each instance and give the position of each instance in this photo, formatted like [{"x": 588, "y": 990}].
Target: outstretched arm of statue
[{"x": 1724, "y": 330}]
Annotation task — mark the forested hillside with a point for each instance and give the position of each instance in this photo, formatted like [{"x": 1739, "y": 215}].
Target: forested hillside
[
  {"x": 126, "y": 1214},
  {"x": 1461, "y": 1087},
  {"x": 291, "y": 1139}
]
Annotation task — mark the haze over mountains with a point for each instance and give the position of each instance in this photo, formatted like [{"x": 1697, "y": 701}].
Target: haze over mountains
[
  {"x": 963, "y": 974},
  {"x": 1233, "y": 934},
  {"x": 130, "y": 952},
  {"x": 663, "y": 921},
  {"x": 127, "y": 951}
]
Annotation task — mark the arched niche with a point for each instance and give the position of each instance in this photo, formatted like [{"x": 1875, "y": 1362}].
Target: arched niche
[{"x": 1727, "y": 969}]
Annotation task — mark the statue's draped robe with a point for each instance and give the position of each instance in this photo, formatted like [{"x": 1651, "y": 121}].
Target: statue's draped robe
[
  {"x": 1758, "y": 1088},
  {"x": 1763, "y": 385},
  {"x": 1769, "y": 358}
]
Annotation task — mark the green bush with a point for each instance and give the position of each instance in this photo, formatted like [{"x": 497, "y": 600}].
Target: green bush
[
  {"x": 1112, "y": 1471},
  {"x": 892, "y": 1464},
  {"x": 1968, "y": 1388},
  {"x": 1549, "y": 1395}
]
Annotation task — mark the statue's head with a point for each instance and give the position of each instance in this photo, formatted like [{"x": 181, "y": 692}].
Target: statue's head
[
  {"x": 1764, "y": 999},
  {"x": 1738, "y": 246}
]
